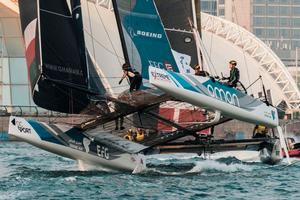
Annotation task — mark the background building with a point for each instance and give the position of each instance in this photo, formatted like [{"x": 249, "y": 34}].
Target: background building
[
  {"x": 14, "y": 84},
  {"x": 209, "y": 7},
  {"x": 275, "y": 22}
]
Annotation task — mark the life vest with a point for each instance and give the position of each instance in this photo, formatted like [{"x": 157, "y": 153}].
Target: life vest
[
  {"x": 128, "y": 137},
  {"x": 140, "y": 136}
]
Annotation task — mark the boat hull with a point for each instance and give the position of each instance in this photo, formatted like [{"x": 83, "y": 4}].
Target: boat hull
[
  {"x": 213, "y": 95},
  {"x": 117, "y": 154},
  {"x": 79, "y": 147},
  {"x": 265, "y": 150}
]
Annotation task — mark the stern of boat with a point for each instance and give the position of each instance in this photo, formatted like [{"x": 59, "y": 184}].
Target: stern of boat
[{"x": 270, "y": 152}]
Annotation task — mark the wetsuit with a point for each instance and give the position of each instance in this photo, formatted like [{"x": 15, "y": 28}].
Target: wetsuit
[
  {"x": 234, "y": 77},
  {"x": 135, "y": 81}
]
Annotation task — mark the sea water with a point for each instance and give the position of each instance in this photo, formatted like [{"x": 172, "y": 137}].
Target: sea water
[{"x": 30, "y": 173}]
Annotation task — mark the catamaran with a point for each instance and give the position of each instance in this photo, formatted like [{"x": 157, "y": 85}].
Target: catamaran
[{"x": 74, "y": 52}]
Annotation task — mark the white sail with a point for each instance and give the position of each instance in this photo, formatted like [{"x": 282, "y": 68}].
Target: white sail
[{"x": 103, "y": 43}]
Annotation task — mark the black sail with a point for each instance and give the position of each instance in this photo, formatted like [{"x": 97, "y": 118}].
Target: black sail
[
  {"x": 175, "y": 15},
  {"x": 54, "y": 54}
]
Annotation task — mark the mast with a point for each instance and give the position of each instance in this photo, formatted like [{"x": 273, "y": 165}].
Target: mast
[
  {"x": 198, "y": 15},
  {"x": 196, "y": 26},
  {"x": 123, "y": 42},
  {"x": 39, "y": 35}
]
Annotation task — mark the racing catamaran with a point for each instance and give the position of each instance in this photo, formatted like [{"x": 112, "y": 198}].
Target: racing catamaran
[{"x": 74, "y": 53}]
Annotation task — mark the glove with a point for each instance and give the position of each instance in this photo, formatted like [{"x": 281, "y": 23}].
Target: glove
[{"x": 120, "y": 82}]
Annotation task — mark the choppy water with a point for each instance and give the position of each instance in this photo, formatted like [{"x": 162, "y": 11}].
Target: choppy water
[{"x": 29, "y": 173}]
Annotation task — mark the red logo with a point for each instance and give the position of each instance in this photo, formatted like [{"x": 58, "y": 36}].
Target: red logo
[{"x": 168, "y": 66}]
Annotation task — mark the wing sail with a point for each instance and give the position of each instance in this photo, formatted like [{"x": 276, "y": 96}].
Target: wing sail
[{"x": 55, "y": 55}]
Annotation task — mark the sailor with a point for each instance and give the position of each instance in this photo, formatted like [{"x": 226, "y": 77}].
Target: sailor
[
  {"x": 140, "y": 135},
  {"x": 199, "y": 72},
  {"x": 234, "y": 77},
  {"x": 119, "y": 123},
  {"x": 260, "y": 131},
  {"x": 120, "y": 120},
  {"x": 129, "y": 135},
  {"x": 135, "y": 78}
]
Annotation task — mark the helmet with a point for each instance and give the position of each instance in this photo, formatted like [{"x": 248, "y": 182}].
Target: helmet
[
  {"x": 233, "y": 62},
  {"x": 197, "y": 67}
]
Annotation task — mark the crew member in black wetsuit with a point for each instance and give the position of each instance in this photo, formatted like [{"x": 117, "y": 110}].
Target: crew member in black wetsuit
[
  {"x": 234, "y": 77},
  {"x": 135, "y": 78}
]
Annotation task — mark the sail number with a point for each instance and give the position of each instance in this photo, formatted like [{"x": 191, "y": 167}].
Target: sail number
[
  {"x": 102, "y": 152},
  {"x": 222, "y": 95}
]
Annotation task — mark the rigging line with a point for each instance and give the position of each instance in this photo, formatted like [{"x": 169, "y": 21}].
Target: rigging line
[
  {"x": 254, "y": 82},
  {"x": 77, "y": 100},
  {"x": 88, "y": 11},
  {"x": 240, "y": 33},
  {"x": 112, "y": 45},
  {"x": 210, "y": 63},
  {"x": 125, "y": 117},
  {"x": 104, "y": 47},
  {"x": 131, "y": 44},
  {"x": 208, "y": 55},
  {"x": 54, "y": 13}
]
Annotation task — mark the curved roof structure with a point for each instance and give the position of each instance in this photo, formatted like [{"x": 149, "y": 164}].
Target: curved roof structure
[
  {"x": 225, "y": 41},
  {"x": 12, "y": 5}
]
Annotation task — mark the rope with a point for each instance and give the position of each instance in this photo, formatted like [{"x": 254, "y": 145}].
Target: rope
[{"x": 115, "y": 52}]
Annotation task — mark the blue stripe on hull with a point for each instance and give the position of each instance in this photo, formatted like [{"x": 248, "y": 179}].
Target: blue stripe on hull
[{"x": 43, "y": 133}]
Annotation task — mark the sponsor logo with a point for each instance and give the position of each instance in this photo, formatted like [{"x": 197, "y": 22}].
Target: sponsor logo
[
  {"x": 64, "y": 69},
  {"x": 155, "y": 64},
  {"x": 273, "y": 113},
  {"x": 149, "y": 34},
  {"x": 86, "y": 144},
  {"x": 168, "y": 66},
  {"x": 222, "y": 95},
  {"x": 102, "y": 152},
  {"x": 21, "y": 127},
  {"x": 160, "y": 76},
  {"x": 141, "y": 33}
]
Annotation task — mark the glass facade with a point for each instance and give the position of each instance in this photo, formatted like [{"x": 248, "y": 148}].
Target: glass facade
[
  {"x": 277, "y": 23},
  {"x": 209, "y": 6}
]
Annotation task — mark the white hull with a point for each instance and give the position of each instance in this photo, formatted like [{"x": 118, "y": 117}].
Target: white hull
[
  {"x": 100, "y": 153},
  {"x": 202, "y": 92},
  {"x": 120, "y": 161}
]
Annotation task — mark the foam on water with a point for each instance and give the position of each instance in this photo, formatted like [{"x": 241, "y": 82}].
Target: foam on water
[
  {"x": 181, "y": 164},
  {"x": 175, "y": 156},
  {"x": 71, "y": 179},
  {"x": 46, "y": 176},
  {"x": 217, "y": 166}
]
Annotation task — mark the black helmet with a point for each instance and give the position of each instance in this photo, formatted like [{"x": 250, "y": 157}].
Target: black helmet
[{"x": 233, "y": 62}]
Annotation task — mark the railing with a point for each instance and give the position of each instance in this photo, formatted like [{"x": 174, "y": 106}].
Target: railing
[{"x": 28, "y": 111}]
